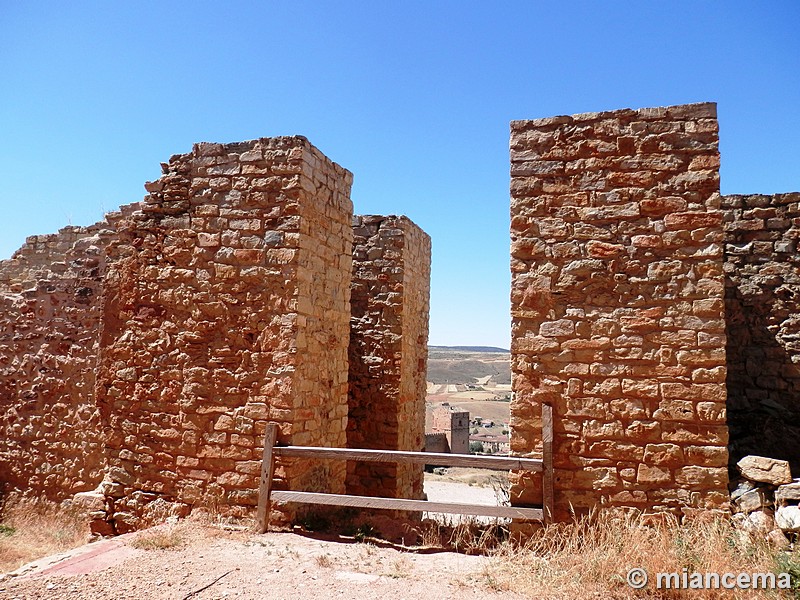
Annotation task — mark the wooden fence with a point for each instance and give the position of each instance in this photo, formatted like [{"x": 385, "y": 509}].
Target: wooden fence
[{"x": 544, "y": 466}]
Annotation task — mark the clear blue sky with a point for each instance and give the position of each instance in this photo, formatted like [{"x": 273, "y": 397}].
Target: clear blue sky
[{"x": 413, "y": 97}]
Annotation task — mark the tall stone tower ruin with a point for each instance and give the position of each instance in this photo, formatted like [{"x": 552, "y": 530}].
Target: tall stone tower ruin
[{"x": 618, "y": 315}]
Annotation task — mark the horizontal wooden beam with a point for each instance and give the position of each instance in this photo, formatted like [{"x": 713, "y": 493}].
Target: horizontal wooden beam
[
  {"x": 419, "y": 458},
  {"x": 509, "y": 512}
]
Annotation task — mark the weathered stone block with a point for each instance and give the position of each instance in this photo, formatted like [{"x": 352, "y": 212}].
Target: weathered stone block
[
  {"x": 788, "y": 519},
  {"x": 766, "y": 470},
  {"x": 788, "y": 493},
  {"x": 754, "y": 499}
]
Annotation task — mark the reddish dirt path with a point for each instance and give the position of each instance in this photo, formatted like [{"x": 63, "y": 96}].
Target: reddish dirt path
[{"x": 218, "y": 564}]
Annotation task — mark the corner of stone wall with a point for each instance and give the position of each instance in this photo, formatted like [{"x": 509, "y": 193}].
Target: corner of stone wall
[
  {"x": 323, "y": 314},
  {"x": 224, "y": 286}
]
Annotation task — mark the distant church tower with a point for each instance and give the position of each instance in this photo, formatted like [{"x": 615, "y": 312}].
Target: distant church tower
[{"x": 455, "y": 425}]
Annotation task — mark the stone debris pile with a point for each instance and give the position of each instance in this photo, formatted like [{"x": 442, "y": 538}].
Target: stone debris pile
[{"x": 765, "y": 499}]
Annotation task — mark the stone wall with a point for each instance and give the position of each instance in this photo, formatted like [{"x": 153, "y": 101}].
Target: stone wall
[
  {"x": 762, "y": 279},
  {"x": 50, "y": 311},
  {"x": 142, "y": 357},
  {"x": 437, "y": 442},
  {"x": 226, "y": 299},
  {"x": 617, "y": 307},
  {"x": 388, "y": 351},
  {"x": 414, "y": 353}
]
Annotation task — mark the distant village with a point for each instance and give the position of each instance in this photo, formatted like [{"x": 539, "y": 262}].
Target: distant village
[{"x": 451, "y": 430}]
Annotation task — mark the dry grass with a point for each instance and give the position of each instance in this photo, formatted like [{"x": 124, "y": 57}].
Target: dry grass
[
  {"x": 324, "y": 561},
  {"x": 466, "y": 535},
  {"x": 591, "y": 558},
  {"x": 161, "y": 537},
  {"x": 400, "y": 568},
  {"x": 32, "y": 529}
]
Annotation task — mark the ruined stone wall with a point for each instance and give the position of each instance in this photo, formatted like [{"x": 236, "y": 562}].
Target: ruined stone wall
[
  {"x": 388, "y": 351},
  {"x": 226, "y": 300},
  {"x": 50, "y": 310},
  {"x": 617, "y": 307},
  {"x": 762, "y": 300},
  {"x": 436, "y": 442}
]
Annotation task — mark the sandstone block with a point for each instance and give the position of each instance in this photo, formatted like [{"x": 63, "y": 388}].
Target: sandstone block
[
  {"x": 788, "y": 493},
  {"x": 89, "y": 501},
  {"x": 653, "y": 475},
  {"x": 766, "y": 470},
  {"x": 758, "y": 522},
  {"x": 692, "y": 220},
  {"x": 707, "y": 456},
  {"x": 604, "y": 249},
  {"x": 706, "y": 477},
  {"x": 647, "y": 241},
  {"x": 663, "y": 454},
  {"x": 560, "y": 328},
  {"x": 754, "y": 499}
]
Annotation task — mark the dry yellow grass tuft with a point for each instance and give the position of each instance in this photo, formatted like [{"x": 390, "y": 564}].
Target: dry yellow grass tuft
[
  {"x": 590, "y": 558},
  {"x": 32, "y": 529},
  {"x": 160, "y": 537}
]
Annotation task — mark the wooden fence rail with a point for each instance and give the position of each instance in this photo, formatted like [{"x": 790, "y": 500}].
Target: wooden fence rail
[{"x": 544, "y": 466}]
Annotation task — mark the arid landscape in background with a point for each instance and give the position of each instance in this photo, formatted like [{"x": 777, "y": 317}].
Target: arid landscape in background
[{"x": 476, "y": 379}]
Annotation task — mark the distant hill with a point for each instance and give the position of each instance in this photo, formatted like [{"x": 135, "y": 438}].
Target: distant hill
[
  {"x": 468, "y": 349},
  {"x": 466, "y": 364}
]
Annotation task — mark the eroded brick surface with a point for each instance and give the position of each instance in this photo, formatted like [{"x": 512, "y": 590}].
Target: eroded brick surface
[
  {"x": 50, "y": 310},
  {"x": 617, "y": 307}
]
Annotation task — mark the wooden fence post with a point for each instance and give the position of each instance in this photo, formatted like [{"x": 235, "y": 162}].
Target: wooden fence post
[
  {"x": 267, "y": 471},
  {"x": 548, "y": 499}
]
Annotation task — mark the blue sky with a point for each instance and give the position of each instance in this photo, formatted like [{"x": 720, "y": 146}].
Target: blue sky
[{"x": 414, "y": 98}]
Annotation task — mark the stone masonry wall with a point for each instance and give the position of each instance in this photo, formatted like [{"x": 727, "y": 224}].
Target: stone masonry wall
[
  {"x": 617, "y": 307},
  {"x": 50, "y": 310},
  {"x": 144, "y": 355},
  {"x": 762, "y": 281},
  {"x": 388, "y": 351},
  {"x": 225, "y": 300}
]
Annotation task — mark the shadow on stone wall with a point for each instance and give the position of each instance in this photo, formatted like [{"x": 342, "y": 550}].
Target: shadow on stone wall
[{"x": 763, "y": 382}]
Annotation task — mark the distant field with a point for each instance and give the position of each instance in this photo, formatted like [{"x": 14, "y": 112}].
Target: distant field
[
  {"x": 470, "y": 349},
  {"x": 453, "y": 368},
  {"x": 462, "y": 365}
]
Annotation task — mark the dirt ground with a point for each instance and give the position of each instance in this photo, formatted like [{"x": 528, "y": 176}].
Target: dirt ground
[
  {"x": 208, "y": 563},
  {"x": 468, "y": 486},
  {"x": 479, "y": 486}
]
